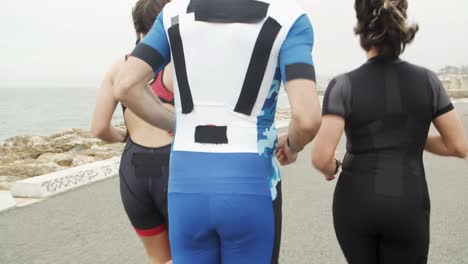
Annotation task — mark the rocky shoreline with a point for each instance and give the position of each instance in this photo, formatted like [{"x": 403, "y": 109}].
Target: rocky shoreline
[{"x": 23, "y": 157}]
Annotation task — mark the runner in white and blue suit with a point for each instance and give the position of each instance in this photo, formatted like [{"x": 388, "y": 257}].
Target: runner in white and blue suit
[{"x": 229, "y": 57}]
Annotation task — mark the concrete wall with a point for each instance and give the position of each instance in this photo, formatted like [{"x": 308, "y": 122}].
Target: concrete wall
[{"x": 61, "y": 181}]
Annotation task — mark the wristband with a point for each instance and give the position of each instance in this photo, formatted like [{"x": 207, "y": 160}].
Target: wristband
[{"x": 289, "y": 146}]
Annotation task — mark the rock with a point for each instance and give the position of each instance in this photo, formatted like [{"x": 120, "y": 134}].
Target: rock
[
  {"x": 62, "y": 159},
  {"x": 36, "y": 141},
  {"x": 82, "y": 160},
  {"x": 77, "y": 150},
  {"x": 7, "y": 181},
  {"x": 102, "y": 155},
  {"x": 105, "y": 152},
  {"x": 121, "y": 125},
  {"x": 10, "y": 155},
  {"x": 17, "y": 141},
  {"x": 75, "y": 131},
  {"x": 26, "y": 156},
  {"x": 25, "y": 170},
  {"x": 69, "y": 142},
  {"x": 99, "y": 148},
  {"x": 117, "y": 147}
]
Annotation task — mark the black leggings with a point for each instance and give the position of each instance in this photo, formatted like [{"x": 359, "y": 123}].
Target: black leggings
[{"x": 374, "y": 229}]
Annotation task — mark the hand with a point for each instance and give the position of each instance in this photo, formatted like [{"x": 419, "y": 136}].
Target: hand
[
  {"x": 284, "y": 154},
  {"x": 124, "y": 134},
  {"x": 336, "y": 165},
  {"x": 330, "y": 177}
]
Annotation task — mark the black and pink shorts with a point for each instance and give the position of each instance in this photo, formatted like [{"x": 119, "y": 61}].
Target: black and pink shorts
[{"x": 143, "y": 186}]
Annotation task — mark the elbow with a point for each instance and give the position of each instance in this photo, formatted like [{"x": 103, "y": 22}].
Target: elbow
[
  {"x": 122, "y": 87},
  {"x": 309, "y": 125},
  {"x": 99, "y": 131},
  {"x": 458, "y": 149},
  {"x": 322, "y": 157},
  {"x": 319, "y": 162},
  {"x": 461, "y": 152}
]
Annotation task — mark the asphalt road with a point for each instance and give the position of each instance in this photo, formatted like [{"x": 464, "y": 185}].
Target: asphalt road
[{"x": 89, "y": 225}]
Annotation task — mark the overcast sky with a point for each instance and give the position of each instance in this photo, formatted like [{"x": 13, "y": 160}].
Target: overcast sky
[{"x": 57, "y": 43}]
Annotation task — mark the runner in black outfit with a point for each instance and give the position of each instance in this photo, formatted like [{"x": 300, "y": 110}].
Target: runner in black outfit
[{"x": 381, "y": 205}]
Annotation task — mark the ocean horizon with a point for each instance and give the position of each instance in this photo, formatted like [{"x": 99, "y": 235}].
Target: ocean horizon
[{"x": 45, "y": 111}]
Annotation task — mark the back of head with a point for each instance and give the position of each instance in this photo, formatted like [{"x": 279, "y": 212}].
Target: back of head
[
  {"x": 383, "y": 24},
  {"x": 144, "y": 14}
]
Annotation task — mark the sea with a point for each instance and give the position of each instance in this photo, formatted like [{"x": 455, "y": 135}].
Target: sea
[{"x": 45, "y": 111}]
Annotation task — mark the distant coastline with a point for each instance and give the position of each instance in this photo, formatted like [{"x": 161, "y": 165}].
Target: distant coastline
[{"x": 454, "y": 80}]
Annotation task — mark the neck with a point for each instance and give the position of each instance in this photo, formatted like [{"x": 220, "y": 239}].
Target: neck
[{"x": 372, "y": 53}]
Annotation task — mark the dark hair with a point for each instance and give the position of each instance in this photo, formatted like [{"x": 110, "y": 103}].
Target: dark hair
[
  {"x": 144, "y": 14},
  {"x": 383, "y": 24}
]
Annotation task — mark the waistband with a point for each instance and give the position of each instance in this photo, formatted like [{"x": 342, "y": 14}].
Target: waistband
[{"x": 224, "y": 173}]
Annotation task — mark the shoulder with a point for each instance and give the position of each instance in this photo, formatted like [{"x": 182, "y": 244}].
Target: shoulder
[
  {"x": 339, "y": 89},
  {"x": 340, "y": 82},
  {"x": 417, "y": 69},
  {"x": 337, "y": 98},
  {"x": 429, "y": 76}
]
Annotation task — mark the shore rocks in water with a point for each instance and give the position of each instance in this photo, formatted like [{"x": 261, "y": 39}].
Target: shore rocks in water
[{"x": 26, "y": 156}]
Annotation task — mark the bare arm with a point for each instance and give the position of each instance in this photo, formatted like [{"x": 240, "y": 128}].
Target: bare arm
[
  {"x": 131, "y": 88},
  {"x": 451, "y": 141},
  {"x": 336, "y": 109},
  {"x": 298, "y": 74},
  {"x": 323, "y": 154},
  {"x": 131, "y": 85},
  {"x": 305, "y": 112},
  {"x": 101, "y": 126},
  {"x": 168, "y": 80},
  {"x": 305, "y": 120}
]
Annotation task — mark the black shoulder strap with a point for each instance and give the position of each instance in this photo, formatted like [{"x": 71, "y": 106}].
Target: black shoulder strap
[
  {"x": 180, "y": 67},
  {"x": 229, "y": 11},
  {"x": 257, "y": 66}
]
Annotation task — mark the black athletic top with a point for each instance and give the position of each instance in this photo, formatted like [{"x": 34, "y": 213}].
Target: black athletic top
[{"x": 388, "y": 106}]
